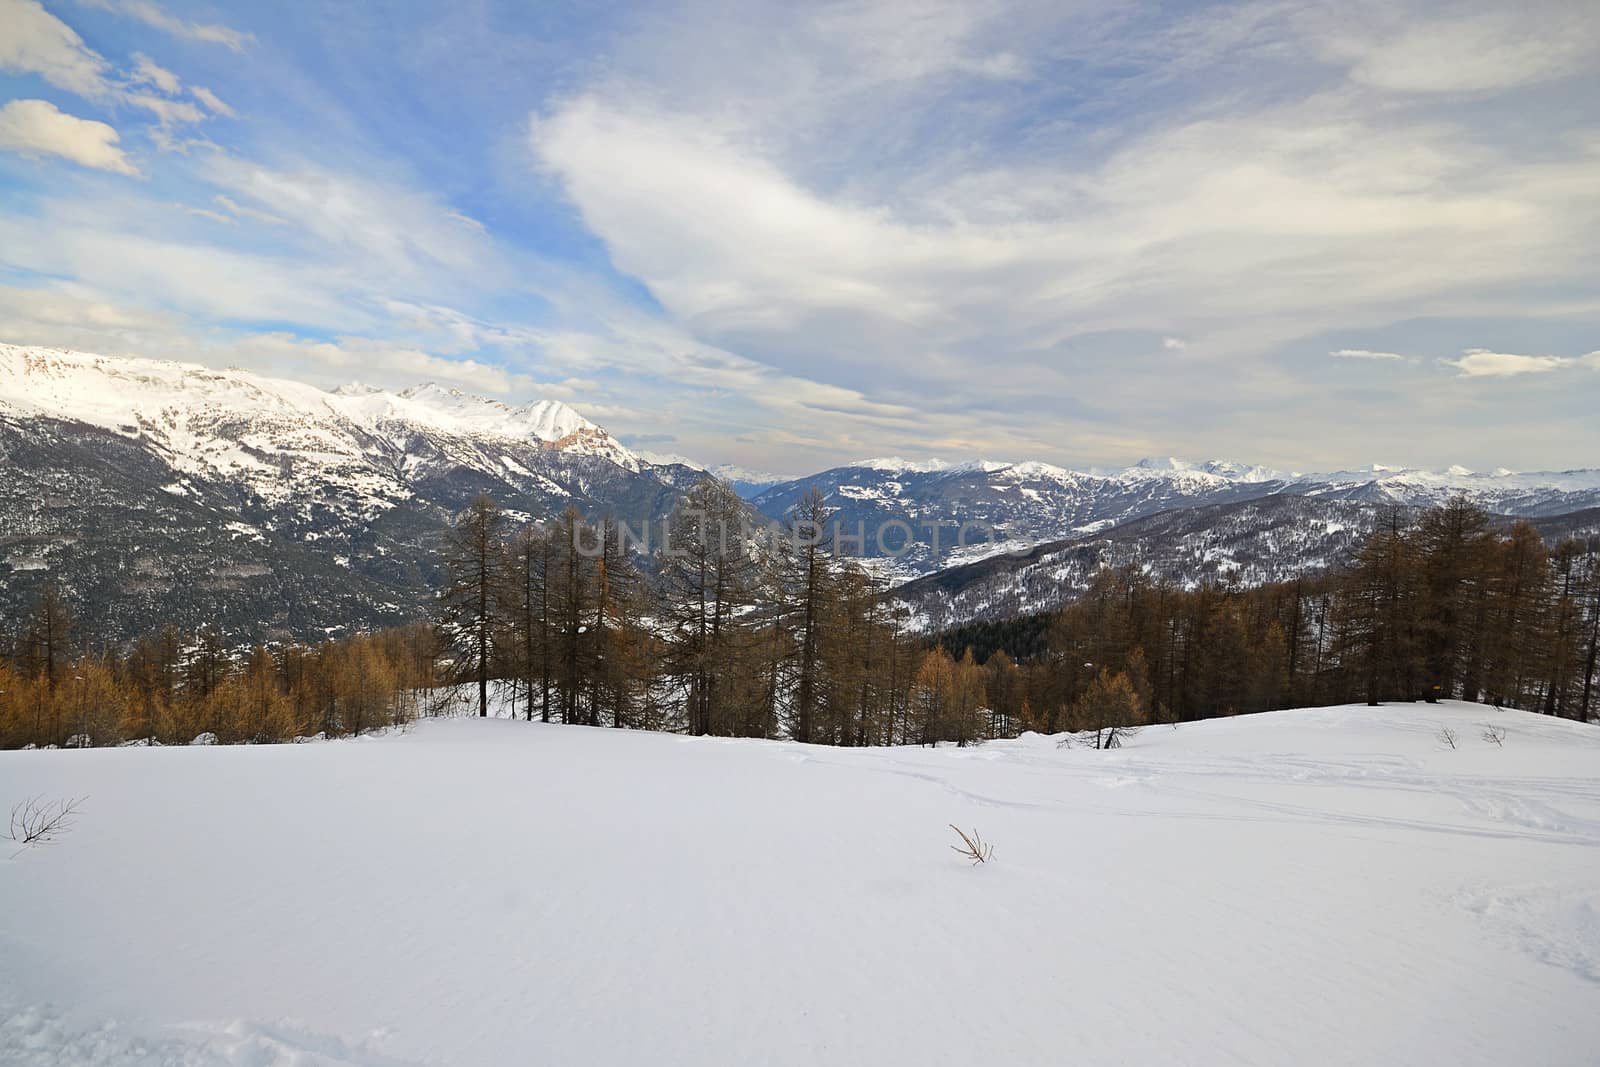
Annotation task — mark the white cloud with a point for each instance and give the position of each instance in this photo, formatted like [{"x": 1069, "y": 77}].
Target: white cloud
[
  {"x": 36, "y": 42},
  {"x": 168, "y": 112},
  {"x": 1482, "y": 363},
  {"x": 207, "y": 213},
  {"x": 147, "y": 72},
  {"x": 152, "y": 14},
  {"x": 396, "y": 229},
  {"x": 869, "y": 225},
  {"x": 886, "y": 226},
  {"x": 38, "y": 128},
  {"x": 1463, "y": 52},
  {"x": 371, "y": 359},
  {"x": 212, "y": 101},
  {"x": 155, "y": 269},
  {"x": 1264, "y": 228},
  {"x": 1363, "y": 353},
  {"x": 245, "y": 212},
  {"x": 76, "y": 316},
  {"x": 467, "y": 221},
  {"x": 72, "y": 316}
]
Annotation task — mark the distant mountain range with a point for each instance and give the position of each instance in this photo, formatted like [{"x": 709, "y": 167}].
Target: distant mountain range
[
  {"x": 156, "y": 491},
  {"x": 1037, "y": 503}
]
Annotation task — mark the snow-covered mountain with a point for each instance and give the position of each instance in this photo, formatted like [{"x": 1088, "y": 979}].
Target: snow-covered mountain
[
  {"x": 746, "y": 482},
  {"x": 174, "y": 491},
  {"x": 1245, "y": 542},
  {"x": 243, "y": 426},
  {"x": 1040, "y": 503},
  {"x": 1027, "y": 501},
  {"x": 1501, "y": 491},
  {"x": 162, "y": 491}
]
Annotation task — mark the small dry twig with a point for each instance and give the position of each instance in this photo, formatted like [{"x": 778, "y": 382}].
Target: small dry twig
[
  {"x": 36, "y": 821},
  {"x": 972, "y": 846},
  {"x": 1495, "y": 735},
  {"x": 1447, "y": 735}
]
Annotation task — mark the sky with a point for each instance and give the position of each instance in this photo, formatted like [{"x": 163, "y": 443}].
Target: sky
[{"x": 790, "y": 235}]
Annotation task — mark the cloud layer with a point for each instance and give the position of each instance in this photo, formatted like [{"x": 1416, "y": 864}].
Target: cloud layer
[{"x": 1076, "y": 232}]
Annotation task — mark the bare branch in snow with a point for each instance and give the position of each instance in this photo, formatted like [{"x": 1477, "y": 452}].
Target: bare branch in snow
[
  {"x": 972, "y": 846},
  {"x": 36, "y": 821}
]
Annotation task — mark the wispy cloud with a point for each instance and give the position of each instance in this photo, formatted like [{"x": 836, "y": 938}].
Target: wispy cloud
[
  {"x": 36, "y": 42},
  {"x": 1459, "y": 51},
  {"x": 152, "y": 14},
  {"x": 1362, "y": 353},
  {"x": 233, "y": 207},
  {"x": 147, "y": 71},
  {"x": 207, "y": 213},
  {"x": 212, "y": 101}
]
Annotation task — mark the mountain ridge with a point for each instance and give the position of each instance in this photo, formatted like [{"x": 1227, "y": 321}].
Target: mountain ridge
[
  {"x": 156, "y": 490},
  {"x": 262, "y": 475}
]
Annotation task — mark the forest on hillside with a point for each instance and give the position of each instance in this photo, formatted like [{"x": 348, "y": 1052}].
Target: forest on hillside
[{"x": 784, "y": 639}]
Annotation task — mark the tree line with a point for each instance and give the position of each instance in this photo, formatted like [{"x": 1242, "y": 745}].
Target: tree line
[
  {"x": 1444, "y": 608},
  {"x": 792, "y": 642},
  {"x": 557, "y": 621},
  {"x": 57, "y": 689}
]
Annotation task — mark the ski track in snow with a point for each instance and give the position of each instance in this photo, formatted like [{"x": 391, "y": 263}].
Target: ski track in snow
[{"x": 1328, "y": 886}]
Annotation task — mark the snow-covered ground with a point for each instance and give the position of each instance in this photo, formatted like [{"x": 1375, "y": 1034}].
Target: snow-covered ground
[{"x": 1333, "y": 886}]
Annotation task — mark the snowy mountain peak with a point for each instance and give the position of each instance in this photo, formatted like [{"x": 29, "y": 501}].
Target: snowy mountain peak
[
  {"x": 106, "y": 390},
  {"x": 897, "y": 463},
  {"x": 1163, "y": 463},
  {"x": 1225, "y": 469},
  {"x": 1030, "y": 470},
  {"x": 454, "y": 411},
  {"x": 196, "y": 409}
]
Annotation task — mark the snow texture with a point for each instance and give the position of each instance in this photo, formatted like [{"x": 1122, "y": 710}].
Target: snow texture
[{"x": 1327, "y": 886}]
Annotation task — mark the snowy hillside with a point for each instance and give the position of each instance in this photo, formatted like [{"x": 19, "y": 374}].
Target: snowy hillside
[
  {"x": 168, "y": 492},
  {"x": 1332, "y": 886},
  {"x": 1246, "y": 543}
]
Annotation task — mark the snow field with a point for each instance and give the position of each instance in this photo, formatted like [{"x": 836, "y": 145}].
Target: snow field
[{"x": 1330, "y": 886}]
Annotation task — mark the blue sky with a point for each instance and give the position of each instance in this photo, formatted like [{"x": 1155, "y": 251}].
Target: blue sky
[{"x": 791, "y": 235}]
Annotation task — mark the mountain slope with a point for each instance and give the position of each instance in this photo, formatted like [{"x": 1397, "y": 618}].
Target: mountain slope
[
  {"x": 1026, "y": 502},
  {"x": 157, "y": 491},
  {"x": 1248, "y": 542}
]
